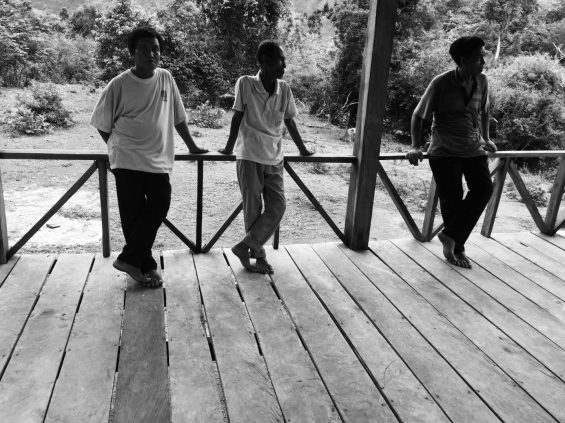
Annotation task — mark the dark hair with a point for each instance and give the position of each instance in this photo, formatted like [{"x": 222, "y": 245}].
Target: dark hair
[
  {"x": 464, "y": 46},
  {"x": 143, "y": 32},
  {"x": 269, "y": 48}
]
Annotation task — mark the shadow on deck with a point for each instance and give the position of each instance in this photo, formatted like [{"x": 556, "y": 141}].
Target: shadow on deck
[{"x": 391, "y": 334}]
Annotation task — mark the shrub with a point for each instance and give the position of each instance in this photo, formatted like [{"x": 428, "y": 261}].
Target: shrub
[
  {"x": 206, "y": 116},
  {"x": 528, "y": 101},
  {"x": 71, "y": 60},
  {"x": 39, "y": 113}
]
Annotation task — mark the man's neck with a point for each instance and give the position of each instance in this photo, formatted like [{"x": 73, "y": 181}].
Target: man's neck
[
  {"x": 463, "y": 76},
  {"x": 140, "y": 73},
  {"x": 268, "y": 82}
]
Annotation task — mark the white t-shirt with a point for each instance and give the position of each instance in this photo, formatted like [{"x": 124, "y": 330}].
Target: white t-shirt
[
  {"x": 260, "y": 132},
  {"x": 140, "y": 115}
]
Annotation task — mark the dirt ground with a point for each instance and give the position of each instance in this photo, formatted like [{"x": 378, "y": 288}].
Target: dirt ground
[{"x": 31, "y": 187}]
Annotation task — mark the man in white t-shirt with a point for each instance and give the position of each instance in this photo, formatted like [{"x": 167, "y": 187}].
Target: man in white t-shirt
[
  {"x": 135, "y": 116},
  {"x": 262, "y": 103}
]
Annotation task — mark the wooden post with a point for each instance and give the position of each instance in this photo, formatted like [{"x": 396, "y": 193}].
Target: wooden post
[
  {"x": 555, "y": 200},
  {"x": 501, "y": 166},
  {"x": 430, "y": 214},
  {"x": 199, "y": 200},
  {"x": 104, "y": 208},
  {"x": 370, "y": 112},
  {"x": 3, "y": 227}
]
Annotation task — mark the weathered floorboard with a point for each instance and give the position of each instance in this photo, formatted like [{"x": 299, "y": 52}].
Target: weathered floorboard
[
  {"x": 83, "y": 392},
  {"x": 449, "y": 389},
  {"x": 501, "y": 392},
  {"x": 18, "y": 296},
  {"x": 300, "y": 391},
  {"x": 249, "y": 394},
  {"x": 196, "y": 395},
  {"x": 25, "y": 389},
  {"x": 353, "y": 391},
  {"x": 142, "y": 384},
  {"x": 405, "y": 393},
  {"x": 469, "y": 310}
]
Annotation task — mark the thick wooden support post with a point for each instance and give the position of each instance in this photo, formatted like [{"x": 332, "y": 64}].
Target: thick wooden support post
[
  {"x": 104, "y": 208},
  {"x": 430, "y": 214},
  {"x": 3, "y": 228},
  {"x": 555, "y": 200},
  {"x": 199, "y": 198},
  {"x": 370, "y": 112},
  {"x": 492, "y": 207}
]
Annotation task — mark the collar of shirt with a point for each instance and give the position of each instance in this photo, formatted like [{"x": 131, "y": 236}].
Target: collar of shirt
[{"x": 259, "y": 85}]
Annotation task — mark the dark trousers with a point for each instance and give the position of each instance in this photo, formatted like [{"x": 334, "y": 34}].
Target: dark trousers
[
  {"x": 143, "y": 200},
  {"x": 460, "y": 215}
]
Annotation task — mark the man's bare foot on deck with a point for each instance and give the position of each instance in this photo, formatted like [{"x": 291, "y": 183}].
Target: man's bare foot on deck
[
  {"x": 242, "y": 253},
  {"x": 462, "y": 260},
  {"x": 132, "y": 271},
  {"x": 155, "y": 279},
  {"x": 263, "y": 266},
  {"x": 448, "y": 247}
]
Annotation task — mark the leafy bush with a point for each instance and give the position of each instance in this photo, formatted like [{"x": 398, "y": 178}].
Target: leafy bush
[
  {"x": 39, "y": 113},
  {"x": 206, "y": 116},
  {"x": 71, "y": 60},
  {"x": 528, "y": 101}
]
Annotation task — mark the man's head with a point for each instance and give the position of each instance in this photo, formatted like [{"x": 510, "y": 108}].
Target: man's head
[
  {"x": 468, "y": 53},
  {"x": 270, "y": 58},
  {"x": 144, "y": 45}
]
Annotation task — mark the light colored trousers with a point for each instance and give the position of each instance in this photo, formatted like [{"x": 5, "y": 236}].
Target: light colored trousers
[{"x": 260, "y": 184}]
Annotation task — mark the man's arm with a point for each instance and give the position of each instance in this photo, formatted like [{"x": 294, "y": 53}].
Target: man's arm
[
  {"x": 234, "y": 131},
  {"x": 415, "y": 154},
  {"x": 485, "y": 120},
  {"x": 295, "y": 135},
  {"x": 182, "y": 129},
  {"x": 105, "y": 135}
]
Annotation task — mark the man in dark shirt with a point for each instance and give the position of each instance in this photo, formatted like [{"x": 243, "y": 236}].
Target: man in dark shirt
[{"x": 457, "y": 104}]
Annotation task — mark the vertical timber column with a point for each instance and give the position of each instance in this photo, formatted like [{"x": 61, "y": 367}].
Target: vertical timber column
[
  {"x": 3, "y": 227},
  {"x": 370, "y": 113}
]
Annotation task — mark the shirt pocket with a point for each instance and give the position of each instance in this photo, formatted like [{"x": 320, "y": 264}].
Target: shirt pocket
[{"x": 276, "y": 119}]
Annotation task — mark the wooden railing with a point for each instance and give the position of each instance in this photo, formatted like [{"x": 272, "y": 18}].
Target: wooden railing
[{"x": 502, "y": 165}]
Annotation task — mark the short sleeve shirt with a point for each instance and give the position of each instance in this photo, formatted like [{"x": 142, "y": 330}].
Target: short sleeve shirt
[
  {"x": 140, "y": 115},
  {"x": 455, "y": 116},
  {"x": 260, "y": 132}
]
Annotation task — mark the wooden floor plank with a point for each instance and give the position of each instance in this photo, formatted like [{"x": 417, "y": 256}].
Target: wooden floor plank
[
  {"x": 83, "y": 391},
  {"x": 6, "y": 268},
  {"x": 142, "y": 383},
  {"x": 406, "y": 394},
  {"x": 18, "y": 295},
  {"x": 520, "y": 284},
  {"x": 25, "y": 389},
  {"x": 249, "y": 394},
  {"x": 351, "y": 388},
  {"x": 475, "y": 314},
  {"x": 502, "y": 393},
  {"x": 557, "y": 240},
  {"x": 536, "y": 274},
  {"x": 195, "y": 390},
  {"x": 456, "y": 398},
  {"x": 507, "y": 299},
  {"x": 550, "y": 264},
  {"x": 543, "y": 245},
  {"x": 300, "y": 391}
]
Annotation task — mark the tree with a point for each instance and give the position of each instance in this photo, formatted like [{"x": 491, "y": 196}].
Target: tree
[
  {"x": 508, "y": 17},
  {"x": 112, "y": 55},
  {"x": 83, "y": 21},
  {"x": 242, "y": 25}
]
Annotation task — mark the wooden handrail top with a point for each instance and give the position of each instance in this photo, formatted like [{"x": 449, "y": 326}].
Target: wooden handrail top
[{"x": 44, "y": 154}]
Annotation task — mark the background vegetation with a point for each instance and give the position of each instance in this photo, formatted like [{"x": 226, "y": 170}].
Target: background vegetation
[{"x": 208, "y": 44}]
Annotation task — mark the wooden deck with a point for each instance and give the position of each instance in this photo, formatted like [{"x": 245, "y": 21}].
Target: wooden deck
[{"x": 392, "y": 334}]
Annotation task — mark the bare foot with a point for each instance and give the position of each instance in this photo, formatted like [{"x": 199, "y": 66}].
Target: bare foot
[
  {"x": 462, "y": 260},
  {"x": 132, "y": 271},
  {"x": 242, "y": 252},
  {"x": 155, "y": 279},
  {"x": 263, "y": 266},
  {"x": 448, "y": 246}
]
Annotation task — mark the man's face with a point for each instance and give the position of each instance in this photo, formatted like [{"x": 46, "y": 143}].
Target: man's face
[
  {"x": 276, "y": 65},
  {"x": 475, "y": 62},
  {"x": 147, "y": 54}
]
